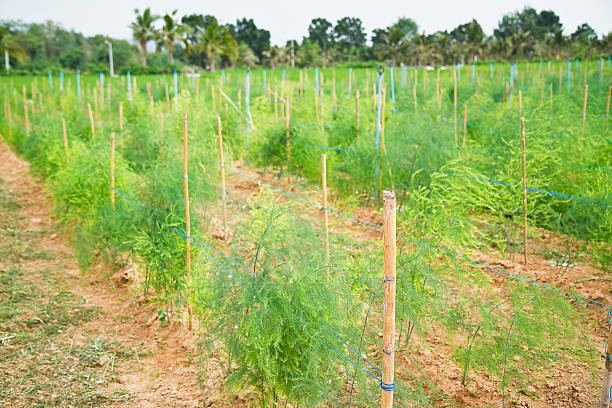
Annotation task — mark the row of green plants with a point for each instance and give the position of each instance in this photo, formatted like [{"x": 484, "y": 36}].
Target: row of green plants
[{"x": 273, "y": 314}]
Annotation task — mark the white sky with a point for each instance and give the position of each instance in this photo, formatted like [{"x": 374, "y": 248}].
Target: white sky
[{"x": 289, "y": 19}]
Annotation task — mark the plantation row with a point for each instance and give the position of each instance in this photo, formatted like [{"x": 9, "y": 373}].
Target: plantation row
[{"x": 287, "y": 310}]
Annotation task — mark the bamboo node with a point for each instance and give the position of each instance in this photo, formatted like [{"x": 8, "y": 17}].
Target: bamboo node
[{"x": 388, "y": 350}]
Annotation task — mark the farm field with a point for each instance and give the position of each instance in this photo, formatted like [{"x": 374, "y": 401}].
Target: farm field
[{"x": 266, "y": 310}]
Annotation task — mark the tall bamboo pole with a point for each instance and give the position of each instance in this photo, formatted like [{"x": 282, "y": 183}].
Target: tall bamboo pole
[
  {"x": 608, "y": 102},
  {"x": 455, "y": 102},
  {"x": 356, "y": 113},
  {"x": 524, "y": 191},
  {"x": 288, "y": 138},
  {"x": 65, "y": 138},
  {"x": 584, "y": 103},
  {"x": 222, "y": 171},
  {"x": 25, "y": 110},
  {"x": 325, "y": 211},
  {"x": 388, "y": 349},
  {"x": 186, "y": 186},
  {"x": 112, "y": 170},
  {"x": 91, "y": 120},
  {"x": 464, "y": 125}
]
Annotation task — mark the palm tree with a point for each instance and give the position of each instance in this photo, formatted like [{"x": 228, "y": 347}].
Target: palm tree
[
  {"x": 273, "y": 55},
  {"x": 395, "y": 43},
  {"x": 170, "y": 33},
  {"x": 246, "y": 56},
  {"x": 214, "y": 40},
  {"x": 143, "y": 30},
  {"x": 9, "y": 46}
]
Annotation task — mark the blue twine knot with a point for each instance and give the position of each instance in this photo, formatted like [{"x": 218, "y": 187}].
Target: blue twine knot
[{"x": 387, "y": 387}]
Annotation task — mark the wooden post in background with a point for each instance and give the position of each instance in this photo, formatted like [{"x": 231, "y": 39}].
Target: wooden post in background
[
  {"x": 65, "y": 138},
  {"x": 607, "y": 103},
  {"x": 520, "y": 101},
  {"x": 186, "y": 187},
  {"x": 325, "y": 211},
  {"x": 150, "y": 92},
  {"x": 357, "y": 114},
  {"x": 551, "y": 94},
  {"x": 112, "y": 170},
  {"x": 288, "y": 138},
  {"x": 584, "y": 103},
  {"x": 524, "y": 191},
  {"x": 121, "y": 124},
  {"x": 222, "y": 170},
  {"x": 455, "y": 101},
  {"x": 91, "y": 120},
  {"x": 25, "y": 110},
  {"x": 604, "y": 398},
  {"x": 388, "y": 349},
  {"x": 187, "y": 217},
  {"x": 464, "y": 125}
]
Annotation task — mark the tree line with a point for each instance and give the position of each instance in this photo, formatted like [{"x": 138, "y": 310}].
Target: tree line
[{"x": 164, "y": 42}]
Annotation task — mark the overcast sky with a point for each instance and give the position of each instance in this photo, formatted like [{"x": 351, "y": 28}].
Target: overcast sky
[{"x": 289, "y": 20}]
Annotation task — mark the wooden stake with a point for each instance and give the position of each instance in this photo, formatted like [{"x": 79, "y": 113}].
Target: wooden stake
[
  {"x": 608, "y": 103},
  {"x": 414, "y": 95},
  {"x": 520, "y": 101},
  {"x": 455, "y": 101},
  {"x": 287, "y": 138},
  {"x": 325, "y": 212},
  {"x": 112, "y": 170},
  {"x": 438, "y": 94},
  {"x": 542, "y": 93},
  {"x": 65, "y": 138},
  {"x": 167, "y": 97},
  {"x": 388, "y": 349},
  {"x": 560, "y": 80},
  {"x": 551, "y": 95},
  {"x": 212, "y": 94},
  {"x": 316, "y": 104},
  {"x": 186, "y": 185},
  {"x": 25, "y": 110},
  {"x": 464, "y": 125},
  {"x": 222, "y": 170},
  {"x": 584, "y": 103},
  {"x": 604, "y": 398},
  {"x": 524, "y": 192},
  {"x": 91, "y": 120},
  {"x": 357, "y": 114},
  {"x": 150, "y": 92}
]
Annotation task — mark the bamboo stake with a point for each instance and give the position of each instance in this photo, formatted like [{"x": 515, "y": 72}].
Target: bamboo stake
[
  {"x": 438, "y": 95},
  {"x": 520, "y": 101},
  {"x": 560, "y": 79},
  {"x": 167, "y": 97},
  {"x": 91, "y": 120},
  {"x": 316, "y": 104},
  {"x": 226, "y": 112},
  {"x": 301, "y": 83},
  {"x": 65, "y": 138},
  {"x": 239, "y": 99},
  {"x": 276, "y": 102},
  {"x": 187, "y": 217},
  {"x": 584, "y": 103},
  {"x": 542, "y": 93},
  {"x": 25, "y": 110},
  {"x": 464, "y": 125},
  {"x": 161, "y": 124},
  {"x": 288, "y": 139},
  {"x": 112, "y": 170},
  {"x": 222, "y": 170},
  {"x": 95, "y": 97},
  {"x": 524, "y": 192},
  {"x": 607, "y": 103},
  {"x": 604, "y": 398},
  {"x": 388, "y": 349},
  {"x": 357, "y": 114},
  {"x": 212, "y": 94},
  {"x": 455, "y": 102},
  {"x": 150, "y": 92},
  {"x": 414, "y": 95},
  {"x": 325, "y": 213},
  {"x": 551, "y": 95},
  {"x": 186, "y": 185}
]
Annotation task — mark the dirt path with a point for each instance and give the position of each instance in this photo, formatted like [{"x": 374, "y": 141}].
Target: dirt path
[{"x": 69, "y": 339}]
